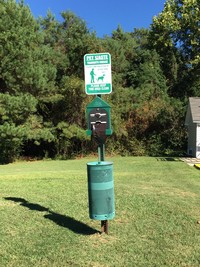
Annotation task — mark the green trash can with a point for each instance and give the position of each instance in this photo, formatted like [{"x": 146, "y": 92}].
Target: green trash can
[{"x": 101, "y": 190}]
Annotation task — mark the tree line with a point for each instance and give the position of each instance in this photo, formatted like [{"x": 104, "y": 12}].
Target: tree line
[{"x": 42, "y": 96}]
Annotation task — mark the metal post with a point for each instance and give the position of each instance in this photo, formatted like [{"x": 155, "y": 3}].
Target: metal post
[
  {"x": 104, "y": 227},
  {"x": 101, "y": 152},
  {"x": 101, "y": 156}
]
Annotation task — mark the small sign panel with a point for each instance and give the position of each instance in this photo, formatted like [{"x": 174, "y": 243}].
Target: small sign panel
[{"x": 98, "y": 79}]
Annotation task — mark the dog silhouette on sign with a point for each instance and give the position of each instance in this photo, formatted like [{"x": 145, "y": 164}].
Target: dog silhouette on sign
[{"x": 100, "y": 78}]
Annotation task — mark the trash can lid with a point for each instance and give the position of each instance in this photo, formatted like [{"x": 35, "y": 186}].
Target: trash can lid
[{"x": 94, "y": 163}]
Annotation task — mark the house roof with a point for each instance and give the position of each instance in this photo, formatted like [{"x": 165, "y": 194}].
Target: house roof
[{"x": 193, "y": 111}]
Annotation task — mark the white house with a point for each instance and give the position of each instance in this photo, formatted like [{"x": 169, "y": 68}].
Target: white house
[{"x": 192, "y": 121}]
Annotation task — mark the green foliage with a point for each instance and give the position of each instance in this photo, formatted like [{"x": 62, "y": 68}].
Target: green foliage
[
  {"x": 42, "y": 98},
  {"x": 19, "y": 123},
  {"x": 74, "y": 41},
  {"x": 179, "y": 21},
  {"x": 11, "y": 137},
  {"x": 175, "y": 35},
  {"x": 70, "y": 140},
  {"x": 16, "y": 108},
  {"x": 14, "y": 112},
  {"x": 25, "y": 62}
]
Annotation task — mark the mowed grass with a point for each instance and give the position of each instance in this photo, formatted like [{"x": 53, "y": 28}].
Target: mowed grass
[{"x": 44, "y": 215}]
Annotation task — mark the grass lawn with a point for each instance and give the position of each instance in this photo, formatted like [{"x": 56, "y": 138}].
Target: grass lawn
[{"x": 44, "y": 215}]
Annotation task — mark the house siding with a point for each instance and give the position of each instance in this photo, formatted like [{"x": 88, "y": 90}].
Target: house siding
[
  {"x": 192, "y": 129},
  {"x": 192, "y": 122},
  {"x": 198, "y": 141}
]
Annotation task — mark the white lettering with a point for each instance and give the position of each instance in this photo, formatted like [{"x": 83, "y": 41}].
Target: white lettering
[{"x": 101, "y": 57}]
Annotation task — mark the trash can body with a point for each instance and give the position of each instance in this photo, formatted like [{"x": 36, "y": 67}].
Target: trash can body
[{"x": 101, "y": 190}]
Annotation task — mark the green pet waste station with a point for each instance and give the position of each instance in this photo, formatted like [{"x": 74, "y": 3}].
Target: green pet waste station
[{"x": 100, "y": 173}]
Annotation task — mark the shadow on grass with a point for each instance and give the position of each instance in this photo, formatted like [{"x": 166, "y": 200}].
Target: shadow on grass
[
  {"x": 61, "y": 220},
  {"x": 168, "y": 159}
]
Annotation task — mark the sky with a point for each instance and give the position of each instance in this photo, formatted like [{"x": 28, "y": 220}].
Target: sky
[{"x": 102, "y": 16}]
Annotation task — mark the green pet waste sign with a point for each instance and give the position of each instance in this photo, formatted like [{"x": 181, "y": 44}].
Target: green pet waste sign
[{"x": 98, "y": 78}]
